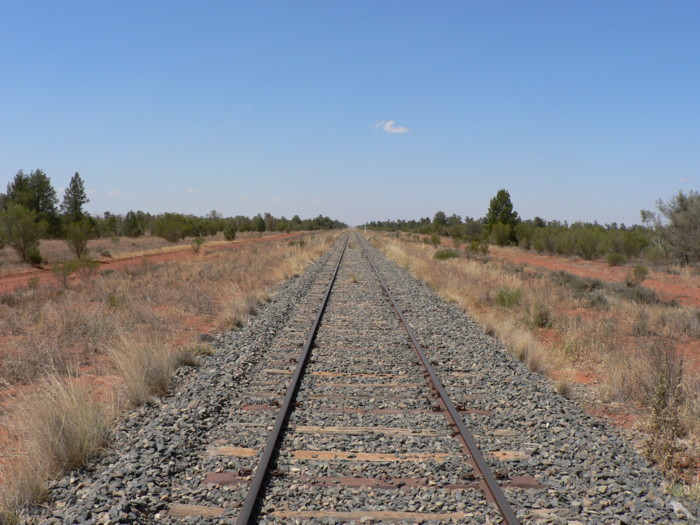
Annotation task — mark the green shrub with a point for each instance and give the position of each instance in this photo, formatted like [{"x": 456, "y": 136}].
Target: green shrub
[
  {"x": 587, "y": 243},
  {"x": 636, "y": 293},
  {"x": 77, "y": 235},
  {"x": 435, "y": 239},
  {"x": 634, "y": 242},
  {"x": 500, "y": 234},
  {"x": 172, "y": 227},
  {"x": 446, "y": 254},
  {"x": 63, "y": 271},
  {"x": 544, "y": 240},
  {"x": 580, "y": 285},
  {"x": 538, "y": 243},
  {"x": 508, "y": 297},
  {"x": 524, "y": 232},
  {"x": 639, "y": 273},
  {"x": 564, "y": 243},
  {"x": 20, "y": 230},
  {"x": 197, "y": 244},
  {"x": 616, "y": 259},
  {"x": 230, "y": 231},
  {"x": 85, "y": 268},
  {"x": 476, "y": 248},
  {"x": 34, "y": 256}
]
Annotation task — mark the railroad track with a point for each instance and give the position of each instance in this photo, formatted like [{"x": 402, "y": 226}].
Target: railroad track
[
  {"x": 365, "y": 429},
  {"x": 367, "y": 437}
]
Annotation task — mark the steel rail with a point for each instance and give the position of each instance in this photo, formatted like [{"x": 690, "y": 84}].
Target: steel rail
[
  {"x": 490, "y": 485},
  {"x": 269, "y": 452}
]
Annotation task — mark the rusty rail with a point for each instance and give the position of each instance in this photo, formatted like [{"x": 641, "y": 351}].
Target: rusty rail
[
  {"x": 490, "y": 486},
  {"x": 270, "y": 451}
]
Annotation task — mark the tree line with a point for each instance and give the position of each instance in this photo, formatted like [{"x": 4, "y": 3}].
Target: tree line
[
  {"x": 672, "y": 234},
  {"x": 30, "y": 211}
]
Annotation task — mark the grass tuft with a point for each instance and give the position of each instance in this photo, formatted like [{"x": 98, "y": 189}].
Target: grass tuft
[
  {"x": 189, "y": 355},
  {"x": 61, "y": 427},
  {"x": 540, "y": 315},
  {"x": 146, "y": 365},
  {"x": 508, "y": 297},
  {"x": 616, "y": 259},
  {"x": 564, "y": 386},
  {"x": 446, "y": 254}
]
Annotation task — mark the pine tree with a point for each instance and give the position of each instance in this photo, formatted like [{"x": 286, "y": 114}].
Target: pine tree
[
  {"x": 501, "y": 212},
  {"x": 74, "y": 199}
]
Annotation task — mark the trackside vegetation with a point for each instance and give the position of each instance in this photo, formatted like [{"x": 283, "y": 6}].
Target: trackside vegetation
[{"x": 669, "y": 235}]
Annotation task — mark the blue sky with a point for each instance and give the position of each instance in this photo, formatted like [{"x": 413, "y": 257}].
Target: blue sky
[{"x": 358, "y": 110}]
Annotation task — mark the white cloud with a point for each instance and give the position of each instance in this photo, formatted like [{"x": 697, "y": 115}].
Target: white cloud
[
  {"x": 114, "y": 193},
  {"x": 683, "y": 179},
  {"x": 190, "y": 190},
  {"x": 390, "y": 127},
  {"x": 277, "y": 199}
]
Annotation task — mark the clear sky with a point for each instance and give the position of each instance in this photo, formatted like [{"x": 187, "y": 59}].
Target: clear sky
[{"x": 360, "y": 110}]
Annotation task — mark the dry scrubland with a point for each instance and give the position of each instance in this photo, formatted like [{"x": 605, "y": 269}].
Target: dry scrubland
[
  {"x": 58, "y": 251},
  {"x": 72, "y": 358},
  {"x": 565, "y": 325}
]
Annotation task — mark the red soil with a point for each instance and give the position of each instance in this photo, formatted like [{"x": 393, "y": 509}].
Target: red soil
[{"x": 684, "y": 289}]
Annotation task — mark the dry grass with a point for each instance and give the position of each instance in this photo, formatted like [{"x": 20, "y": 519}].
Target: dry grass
[
  {"x": 145, "y": 363},
  {"x": 132, "y": 328},
  {"x": 621, "y": 333},
  {"x": 564, "y": 385},
  {"x": 189, "y": 355},
  {"x": 60, "y": 426},
  {"x": 57, "y": 251}
]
